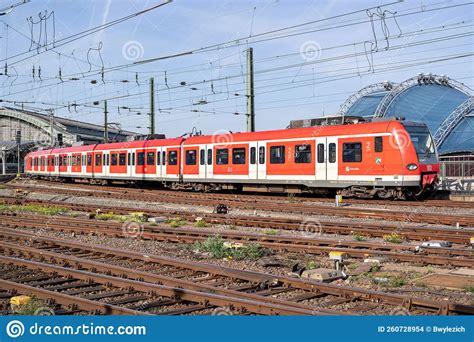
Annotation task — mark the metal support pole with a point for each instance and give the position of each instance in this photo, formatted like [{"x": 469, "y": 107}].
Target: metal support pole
[
  {"x": 250, "y": 93},
  {"x": 152, "y": 106},
  {"x": 19, "y": 161},
  {"x": 106, "y": 124},
  {"x": 51, "y": 124},
  {"x": 4, "y": 161}
]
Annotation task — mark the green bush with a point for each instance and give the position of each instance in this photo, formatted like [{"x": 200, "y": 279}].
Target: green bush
[
  {"x": 393, "y": 238},
  {"x": 201, "y": 224},
  {"x": 217, "y": 249},
  {"x": 176, "y": 222},
  {"x": 35, "y": 209}
]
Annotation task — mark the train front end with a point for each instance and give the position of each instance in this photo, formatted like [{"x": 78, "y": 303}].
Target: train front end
[{"x": 422, "y": 158}]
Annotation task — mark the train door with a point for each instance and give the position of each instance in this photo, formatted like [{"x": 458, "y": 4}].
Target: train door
[
  {"x": 140, "y": 166},
  {"x": 89, "y": 163},
  {"x": 172, "y": 162},
  {"x": 150, "y": 168},
  {"x": 97, "y": 163},
  {"x": 202, "y": 161},
  {"x": 209, "y": 162},
  {"x": 130, "y": 163},
  {"x": 261, "y": 160},
  {"x": 253, "y": 162},
  {"x": 50, "y": 164},
  {"x": 321, "y": 159},
  {"x": 332, "y": 158}
]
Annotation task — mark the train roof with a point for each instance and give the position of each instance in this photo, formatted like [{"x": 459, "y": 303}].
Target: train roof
[
  {"x": 225, "y": 138},
  {"x": 111, "y": 146}
]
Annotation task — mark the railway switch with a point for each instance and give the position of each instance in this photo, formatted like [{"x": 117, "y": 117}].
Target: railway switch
[{"x": 338, "y": 258}]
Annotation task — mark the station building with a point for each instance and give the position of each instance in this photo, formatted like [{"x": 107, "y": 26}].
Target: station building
[{"x": 39, "y": 130}]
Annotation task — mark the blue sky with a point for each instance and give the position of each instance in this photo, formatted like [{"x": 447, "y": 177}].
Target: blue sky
[{"x": 298, "y": 76}]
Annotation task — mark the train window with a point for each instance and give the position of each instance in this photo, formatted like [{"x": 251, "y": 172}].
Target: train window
[
  {"x": 378, "y": 144},
  {"x": 253, "y": 155},
  {"x": 261, "y": 155},
  {"x": 209, "y": 156},
  {"x": 352, "y": 152},
  {"x": 122, "y": 159},
  {"x": 191, "y": 157},
  {"x": 158, "y": 158},
  {"x": 141, "y": 158},
  {"x": 89, "y": 159},
  {"x": 74, "y": 161},
  {"x": 163, "y": 157},
  {"x": 277, "y": 154},
  {"x": 98, "y": 159},
  {"x": 60, "y": 161},
  {"x": 65, "y": 160},
  {"x": 202, "y": 160},
  {"x": 332, "y": 153},
  {"x": 222, "y": 156},
  {"x": 320, "y": 153},
  {"x": 173, "y": 157},
  {"x": 150, "y": 158},
  {"x": 133, "y": 158},
  {"x": 302, "y": 154},
  {"x": 114, "y": 160},
  {"x": 238, "y": 156},
  {"x": 129, "y": 158}
]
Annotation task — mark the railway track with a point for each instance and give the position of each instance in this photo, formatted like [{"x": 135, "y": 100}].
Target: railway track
[
  {"x": 153, "y": 191},
  {"x": 309, "y": 226},
  {"x": 313, "y": 245},
  {"x": 244, "y": 291},
  {"x": 234, "y": 201}
]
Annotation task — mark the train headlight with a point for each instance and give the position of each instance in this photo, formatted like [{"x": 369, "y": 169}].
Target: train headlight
[{"x": 412, "y": 167}]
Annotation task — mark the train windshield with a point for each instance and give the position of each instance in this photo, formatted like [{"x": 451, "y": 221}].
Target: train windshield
[{"x": 424, "y": 144}]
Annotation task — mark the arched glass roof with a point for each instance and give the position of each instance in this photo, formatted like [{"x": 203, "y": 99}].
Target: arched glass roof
[
  {"x": 426, "y": 98},
  {"x": 429, "y": 103},
  {"x": 461, "y": 138},
  {"x": 366, "y": 105}
]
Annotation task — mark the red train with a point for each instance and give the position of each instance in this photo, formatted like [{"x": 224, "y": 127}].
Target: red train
[{"x": 388, "y": 159}]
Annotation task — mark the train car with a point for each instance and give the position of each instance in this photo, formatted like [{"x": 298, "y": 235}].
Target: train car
[
  {"x": 387, "y": 158},
  {"x": 124, "y": 161}
]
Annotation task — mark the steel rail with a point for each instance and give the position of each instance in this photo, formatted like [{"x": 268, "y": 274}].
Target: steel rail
[{"x": 251, "y": 276}]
